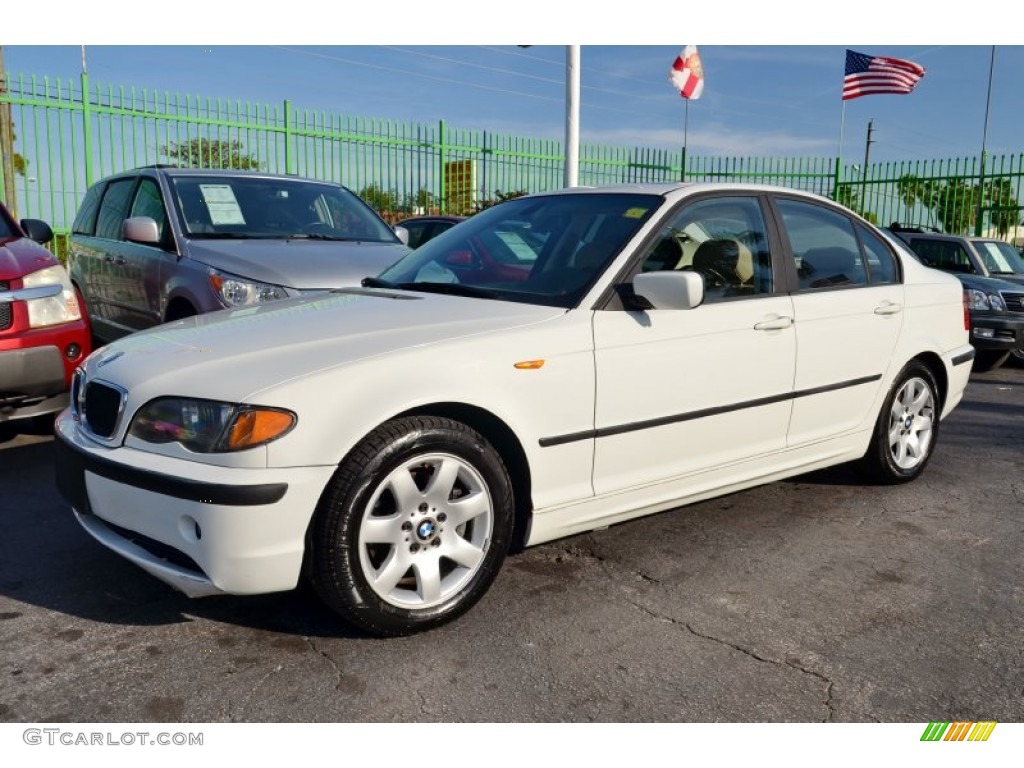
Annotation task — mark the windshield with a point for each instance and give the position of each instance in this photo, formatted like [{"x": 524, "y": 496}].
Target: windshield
[
  {"x": 540, "y": 250},
  {"x": 252, "y": 206},
  {"x": 1000, "y": 258}
]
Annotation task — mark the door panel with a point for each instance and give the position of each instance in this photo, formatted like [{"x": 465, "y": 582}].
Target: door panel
[
  {"x": 679, "y": 391},
  {"x": 844, "y": 337}
]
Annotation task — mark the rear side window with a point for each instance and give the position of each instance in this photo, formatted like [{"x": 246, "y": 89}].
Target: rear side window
[
  {"x": 85, "y": 221},
  {"x": 825, "y": 248},
  {"x": 880, "y": 261},
  {"x": 114, "y": 209}
]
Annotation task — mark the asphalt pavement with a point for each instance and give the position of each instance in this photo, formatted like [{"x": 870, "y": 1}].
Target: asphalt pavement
[{"x": 818, "y": 599}]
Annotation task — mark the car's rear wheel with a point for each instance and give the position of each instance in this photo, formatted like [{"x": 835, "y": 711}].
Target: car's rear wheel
[
  {"x": 988, "y": 359},
  {"x": 413, "y": 527},
  {"x": 906, "y": 429}
]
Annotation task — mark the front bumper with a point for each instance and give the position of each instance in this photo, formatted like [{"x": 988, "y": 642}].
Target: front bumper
[
  {"x": 202, "y": 529},
  {"x": 997, "y": 332}
]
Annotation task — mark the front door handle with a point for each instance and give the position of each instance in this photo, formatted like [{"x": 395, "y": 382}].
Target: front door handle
[
  {"x": 888, "y": 308},
  {"x": 774, "y": 323}
]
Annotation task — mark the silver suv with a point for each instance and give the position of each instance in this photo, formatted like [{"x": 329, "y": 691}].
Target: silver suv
[{"x": 157, "y": 244}]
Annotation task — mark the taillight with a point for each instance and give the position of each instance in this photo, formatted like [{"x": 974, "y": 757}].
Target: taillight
[{"x": 967, "y": 314}]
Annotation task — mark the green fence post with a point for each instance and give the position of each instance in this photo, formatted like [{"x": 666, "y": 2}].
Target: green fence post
[
  {"x": 836, "y": 176},
  {"x": 441, "y": 160},
  {"x": 87, "y": 130},
  {"x": 289, "y": 155}
]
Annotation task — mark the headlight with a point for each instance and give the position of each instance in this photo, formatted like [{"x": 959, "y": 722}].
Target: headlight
[
  {"x": 239, "y": 292},
  {"x": 53, "y": 310},
  {"x": 979, "y": 300},
  {"x": 207, "y": 426}
]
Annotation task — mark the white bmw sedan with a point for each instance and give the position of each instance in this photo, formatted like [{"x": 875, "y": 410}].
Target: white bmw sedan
[{"x": 557, "y": 363}]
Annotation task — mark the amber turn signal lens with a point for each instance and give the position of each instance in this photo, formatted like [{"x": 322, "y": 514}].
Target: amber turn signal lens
[
  {"x": 257, "y": 426},
  {"x": 530, "y": 365}
]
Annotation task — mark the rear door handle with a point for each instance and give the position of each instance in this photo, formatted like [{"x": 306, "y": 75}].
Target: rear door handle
[
  {"x": 888, "y": 308},
  {"x": 774, "y": 323}
]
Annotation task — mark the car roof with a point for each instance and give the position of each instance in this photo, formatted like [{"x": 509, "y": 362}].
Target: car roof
[
  {"x": 173, "y": 170},
  {"x": 667, "y": 189}
]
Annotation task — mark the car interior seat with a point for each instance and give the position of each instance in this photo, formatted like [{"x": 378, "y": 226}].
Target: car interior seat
[{"x": 717, "y": 261}]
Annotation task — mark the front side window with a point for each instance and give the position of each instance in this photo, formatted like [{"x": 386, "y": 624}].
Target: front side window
[
  {"x": 545, "y": 250},
  {"x": 724, "y": 240},
  {"x": 114, "y": 209},
  {"x": 149, "y": 202},
  {"x": 825, "y": 248}
]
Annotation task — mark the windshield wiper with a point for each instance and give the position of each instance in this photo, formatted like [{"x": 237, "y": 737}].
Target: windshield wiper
[
  {"x": 454, "y": 289},
  {"x": 376, "y": 282},
  {"x": 319, "y": 236},
  {"x": 222, "y": 235}
]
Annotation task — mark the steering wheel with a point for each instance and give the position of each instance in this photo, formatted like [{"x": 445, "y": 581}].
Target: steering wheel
[
  {"x": 318, "y": 228},
  {"x": 713, "y": 278}
]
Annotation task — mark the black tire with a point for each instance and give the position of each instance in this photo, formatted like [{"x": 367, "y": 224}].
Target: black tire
[
  {"x": 891, "y": 457},
  {"x": 989, "y": 359},
  {"x": 412, "y": 542},
  {"x": 180, "y": 311},
  {"x": 1017, "y": 358}
]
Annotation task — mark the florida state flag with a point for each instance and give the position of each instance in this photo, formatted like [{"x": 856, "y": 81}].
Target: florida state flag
[{"x": 687, "y": 73}]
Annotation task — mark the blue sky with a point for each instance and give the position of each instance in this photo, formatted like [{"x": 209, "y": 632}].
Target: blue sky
[{"x": 759, "y": 100}]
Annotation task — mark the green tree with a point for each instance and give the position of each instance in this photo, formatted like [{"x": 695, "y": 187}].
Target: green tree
[
  {"x": 378, "y": 198},
  {"x": 846, "y": 195},
  {"x": 955, "y": 203},
  {"x": 1004, "y": 208},
  {"x": 210, "y": 153},
  {"x": 499, "y": 197},
  {"x": 913, "y": 190},
  {"x": 422, "y": 200}
]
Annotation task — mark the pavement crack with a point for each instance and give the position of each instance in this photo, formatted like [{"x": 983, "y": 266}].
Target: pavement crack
[
  {"x": 829, "y": 685},
  {"x": 328, "y": 659},
  {"x": 252, "y": 692}
]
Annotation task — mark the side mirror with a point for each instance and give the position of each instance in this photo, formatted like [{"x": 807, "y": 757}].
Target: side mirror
[
  {"x": 37, "y": 230},
  {"x": 403, "y": 234},
  {"x": 676, "y": 289},
  {"x": 141, "y": 229}
]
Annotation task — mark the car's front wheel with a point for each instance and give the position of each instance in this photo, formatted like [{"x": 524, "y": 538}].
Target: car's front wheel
[
  {"x": 413, "y": 527},
  {"x": 906, "y": 429}
]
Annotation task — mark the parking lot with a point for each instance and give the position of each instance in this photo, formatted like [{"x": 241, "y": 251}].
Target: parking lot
[{"x": 814, "y": 599}]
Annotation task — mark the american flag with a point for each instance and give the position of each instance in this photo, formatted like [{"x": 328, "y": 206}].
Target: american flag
[{"x": 868, "y": 75}]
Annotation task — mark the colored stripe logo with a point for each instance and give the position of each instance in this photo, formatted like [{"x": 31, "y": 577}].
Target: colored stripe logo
[{"x": 959, "y": 731}]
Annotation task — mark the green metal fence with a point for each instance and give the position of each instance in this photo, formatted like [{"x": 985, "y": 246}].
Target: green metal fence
[{"x": 73, "y": 132}]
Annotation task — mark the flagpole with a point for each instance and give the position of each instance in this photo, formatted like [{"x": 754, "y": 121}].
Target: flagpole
[
  {"x": 839, "y": 155},
  {"x": 984, "y": 144},
  {"x": 686, "y": 129}
]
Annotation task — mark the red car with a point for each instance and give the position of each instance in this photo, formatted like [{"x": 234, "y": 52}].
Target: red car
[{"x": 43, "y": 334}]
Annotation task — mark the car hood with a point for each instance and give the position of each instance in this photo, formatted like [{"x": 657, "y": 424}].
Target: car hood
[
  {"x": 20, "y": 256},
  {"x": 232, "y": 354},
  {"x": 300, "y": 264},
  {"x": 1017, "y": 280},
  {"x": 988, "y": 284}
]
